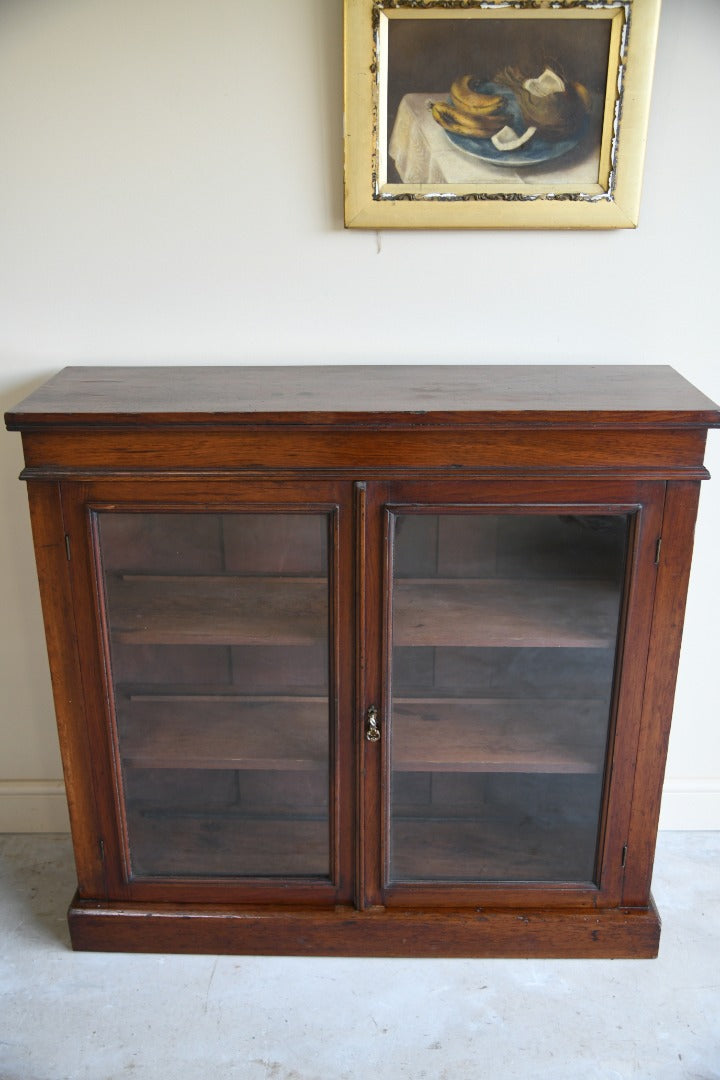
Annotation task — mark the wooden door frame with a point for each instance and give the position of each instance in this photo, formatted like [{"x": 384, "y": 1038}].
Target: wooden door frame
[
  {"x": 640, "y": 498},
  {"x": 81, "y": 500}
]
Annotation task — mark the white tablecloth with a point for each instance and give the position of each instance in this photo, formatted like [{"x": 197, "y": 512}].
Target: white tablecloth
[{"x": 423, "y": 154}]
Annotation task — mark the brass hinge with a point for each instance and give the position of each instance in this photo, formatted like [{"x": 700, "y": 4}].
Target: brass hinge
[
  {"x": 657, "y": 550},
  {"x": 67, "y": 546}
]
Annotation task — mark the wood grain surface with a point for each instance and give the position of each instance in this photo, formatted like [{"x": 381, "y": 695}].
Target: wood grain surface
[{"x": 611, "y": 396}]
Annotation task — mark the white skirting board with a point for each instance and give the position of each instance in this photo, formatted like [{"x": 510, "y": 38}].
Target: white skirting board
[
  {"x": 38, "y": 806},
  {"x": 33, "y": 806},
  {"x": 691, "y": 802}
]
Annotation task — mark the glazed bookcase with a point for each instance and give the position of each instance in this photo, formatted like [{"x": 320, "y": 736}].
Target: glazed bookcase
[{"x": 369, "y": 661}]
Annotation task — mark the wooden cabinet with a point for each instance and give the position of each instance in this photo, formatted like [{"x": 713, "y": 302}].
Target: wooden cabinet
[{"x": 364, "y": 661}]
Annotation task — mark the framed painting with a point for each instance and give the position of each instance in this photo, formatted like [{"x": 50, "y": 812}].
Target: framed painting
[{"x": 496, "y": 113}]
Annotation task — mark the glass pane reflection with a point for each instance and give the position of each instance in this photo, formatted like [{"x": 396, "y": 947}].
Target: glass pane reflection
[
  {"x": 504, "y": 639},
  {"x": 218, "y": 642}
]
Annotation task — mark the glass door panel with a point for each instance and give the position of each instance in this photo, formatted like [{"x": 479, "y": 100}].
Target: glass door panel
[
  {"x": 504, "y": 636},
  {"x": 217, "y": 628}
]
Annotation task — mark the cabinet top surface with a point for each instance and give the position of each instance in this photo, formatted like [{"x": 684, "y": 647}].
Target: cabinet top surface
[{"x": 432, "y": 395}]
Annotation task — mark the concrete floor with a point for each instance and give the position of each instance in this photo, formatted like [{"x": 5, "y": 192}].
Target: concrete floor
[{"x": 91, "y": 1016}]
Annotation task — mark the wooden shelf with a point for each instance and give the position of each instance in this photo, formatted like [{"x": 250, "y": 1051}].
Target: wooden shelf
[
  {"x": 485, "y": 735},
  {"x": 284, "y": 732},
  {"x": 234, "y": 610},
  {"x": 490, "y": 851},
  {"x": 498, "y": 613},
  {"x": 224, "y": 733},
  {"x": 221, "y": 610},
  {"x": 226, "y": 845}
]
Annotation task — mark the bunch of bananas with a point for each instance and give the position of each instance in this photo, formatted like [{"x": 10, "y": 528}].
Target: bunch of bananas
[{"x": 470, "y": 112}]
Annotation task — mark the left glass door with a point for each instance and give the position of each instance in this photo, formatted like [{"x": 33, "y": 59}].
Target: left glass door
[{"x": 218, "y": 635}]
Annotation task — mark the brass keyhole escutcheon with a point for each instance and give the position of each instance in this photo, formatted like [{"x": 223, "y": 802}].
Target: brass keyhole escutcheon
[{"x": 372, "y": 729}]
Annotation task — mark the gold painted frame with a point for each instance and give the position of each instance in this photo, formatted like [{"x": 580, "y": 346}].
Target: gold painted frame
[{"x": 393, "y": 46}]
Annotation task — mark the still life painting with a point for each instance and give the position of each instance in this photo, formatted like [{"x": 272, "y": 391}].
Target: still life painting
[{"x": 496, "y": 114}]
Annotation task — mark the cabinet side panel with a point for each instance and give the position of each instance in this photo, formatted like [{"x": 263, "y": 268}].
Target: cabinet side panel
[
  {"x": 58, "y": 614},
  {"x": 673, "y": 575}
]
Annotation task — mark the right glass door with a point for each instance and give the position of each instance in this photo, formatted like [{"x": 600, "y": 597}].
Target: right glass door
[{"x": 504, "y": 630}]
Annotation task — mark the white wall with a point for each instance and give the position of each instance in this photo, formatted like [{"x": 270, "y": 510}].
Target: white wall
[{"x": 171, "y": 191}]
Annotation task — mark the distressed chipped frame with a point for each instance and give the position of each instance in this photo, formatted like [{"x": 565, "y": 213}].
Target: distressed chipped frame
[{"x": 371, "y": 201}]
